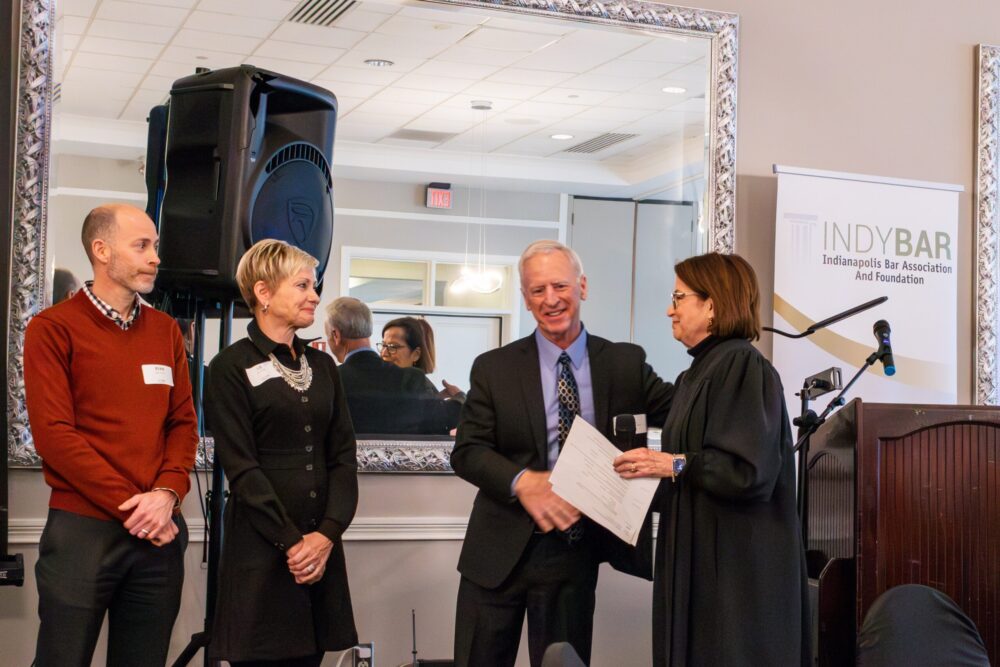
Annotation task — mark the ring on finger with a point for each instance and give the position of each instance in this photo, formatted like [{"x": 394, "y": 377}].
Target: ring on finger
[
  {"x": 310, "y": 567},
  {"x": 144, "y": 532},
  {"x": 634, "y": 468}
]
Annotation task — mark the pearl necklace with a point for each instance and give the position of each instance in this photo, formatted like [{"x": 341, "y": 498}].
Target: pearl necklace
[{"x": 299, "y": 380}]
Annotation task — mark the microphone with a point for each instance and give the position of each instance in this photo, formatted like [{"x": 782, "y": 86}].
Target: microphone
[
  {"x": 882, "y": 331},
  {"x": 624, "y": 428}
]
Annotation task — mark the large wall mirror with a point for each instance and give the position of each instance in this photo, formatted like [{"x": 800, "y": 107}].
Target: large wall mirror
[{"x": 611, "y": 127}]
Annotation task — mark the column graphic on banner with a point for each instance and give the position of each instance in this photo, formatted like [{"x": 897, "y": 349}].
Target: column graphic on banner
[{"x": 843, "y": 239}]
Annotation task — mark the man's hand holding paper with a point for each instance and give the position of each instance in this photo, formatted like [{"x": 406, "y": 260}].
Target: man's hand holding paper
[{"x": 584, "y": 476}]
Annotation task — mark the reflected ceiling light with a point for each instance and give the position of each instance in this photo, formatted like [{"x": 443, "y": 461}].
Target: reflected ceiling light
[
  {"x": 561, "y": 137},
  {"x": 379, "y": 62},
  {"x": 477, "y": 277},
  {"x": 674, "y": 90}
]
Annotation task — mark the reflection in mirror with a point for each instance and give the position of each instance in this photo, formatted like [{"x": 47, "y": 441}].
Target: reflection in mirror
[{"x": 598, "y": 134}]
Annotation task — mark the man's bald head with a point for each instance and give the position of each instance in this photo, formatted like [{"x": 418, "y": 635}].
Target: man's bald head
[{"x": 102, "y": 223}]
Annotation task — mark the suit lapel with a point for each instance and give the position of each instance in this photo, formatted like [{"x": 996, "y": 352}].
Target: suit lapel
[
  {"x": 600, "y": 380},
  {"x": 531, "y": 385}
]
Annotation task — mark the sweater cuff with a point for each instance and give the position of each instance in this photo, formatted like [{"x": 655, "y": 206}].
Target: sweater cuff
[
  {"x": 330, "y": 529},
  {"x": 175, "y": 482},
  {"x": 288, "y": 537}
]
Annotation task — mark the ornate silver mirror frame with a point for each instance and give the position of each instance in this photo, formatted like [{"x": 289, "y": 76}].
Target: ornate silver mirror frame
[
  {"x": 987, "y": 238},
  {"x": 31, "y": 181}
]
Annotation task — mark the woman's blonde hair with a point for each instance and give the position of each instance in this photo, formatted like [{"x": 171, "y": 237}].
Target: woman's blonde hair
[{"x": 271, "y": 261}]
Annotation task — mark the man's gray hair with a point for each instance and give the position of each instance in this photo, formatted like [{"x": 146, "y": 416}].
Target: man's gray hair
[
  {"x": 350, "y": 316},
  {"x": 548, "y": 246}
]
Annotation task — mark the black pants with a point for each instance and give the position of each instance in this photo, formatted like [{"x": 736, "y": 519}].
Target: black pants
[
  {"x": 88, "y": 567},
  {"x": 554, "y": 582}
]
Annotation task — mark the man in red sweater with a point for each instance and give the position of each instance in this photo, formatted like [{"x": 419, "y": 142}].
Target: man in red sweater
[{"x": 109, "y": 400}]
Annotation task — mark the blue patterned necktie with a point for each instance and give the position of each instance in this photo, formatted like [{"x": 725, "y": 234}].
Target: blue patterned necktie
[
  {"x": 569, "y": 407},
  {"x": 569, "y": 398}
]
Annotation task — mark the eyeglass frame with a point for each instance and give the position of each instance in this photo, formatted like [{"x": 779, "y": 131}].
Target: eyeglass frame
[
  {"x": 678, "y": 295},
  {"x": 392, "y": 347}
]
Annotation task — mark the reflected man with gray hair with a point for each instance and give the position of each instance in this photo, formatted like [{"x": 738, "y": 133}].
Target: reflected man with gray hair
[
  {"x": 526, "y": 549},
  {"x": 382, "y": 397}
]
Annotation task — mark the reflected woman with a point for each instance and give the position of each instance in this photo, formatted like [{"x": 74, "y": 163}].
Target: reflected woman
[
  {"x": 730, "y": 582},
  {"x": 408, "y": 341},
  {"x": 284, "y": 437}
]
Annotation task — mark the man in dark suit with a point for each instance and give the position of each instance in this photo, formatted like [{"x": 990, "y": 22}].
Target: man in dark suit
[
  {"x": 382, "y": 397},
  {"x": 526, "y": 549}
]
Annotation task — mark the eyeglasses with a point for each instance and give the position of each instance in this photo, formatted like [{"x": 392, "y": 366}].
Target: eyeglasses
[
  {"x": 677, "y": 295},
  {"x": 389, "y": 348}
]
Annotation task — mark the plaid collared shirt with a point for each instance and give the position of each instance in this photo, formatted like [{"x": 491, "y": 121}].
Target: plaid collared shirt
[{"x": 110, "y": 312}]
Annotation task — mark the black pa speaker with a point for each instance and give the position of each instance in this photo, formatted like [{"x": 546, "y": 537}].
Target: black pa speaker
[{"x": 247, "y": 157}]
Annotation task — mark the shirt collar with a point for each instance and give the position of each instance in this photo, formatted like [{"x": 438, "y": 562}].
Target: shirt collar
[
  {"x": 268, "y": 346},
  {"x": 549, "y": 352},
  {"x": 110, "y": 312},
  {"x": 357, "y": 351}
]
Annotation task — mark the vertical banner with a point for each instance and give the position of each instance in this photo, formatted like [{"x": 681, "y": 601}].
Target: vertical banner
[{"x": 844, "y": 239}]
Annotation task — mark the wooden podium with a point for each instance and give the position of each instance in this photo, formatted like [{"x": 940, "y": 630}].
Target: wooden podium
[{"x": 904, "y": 494}]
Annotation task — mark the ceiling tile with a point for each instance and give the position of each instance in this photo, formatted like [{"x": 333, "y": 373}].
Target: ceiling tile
[
  {"x": 275, "y": 10},
  {"x": 73, "y": 90},
  {"x": 468, "y": 54},
  {"x": 548, "y": 110},
  {"x": 613, "y": 114},
  {"x": 149, "y": 98},
  {"x": 119, "y": 47},
  {"x": 508, "y": 40},
  {"x": 462, "y": 70},
  {"x": 411, "y": 96},
  {"x": 535, "y": 24},
  {"x": 161, "y": 84},
  {"x": 641, "y": 101},
  {"x": 172, "y": 69},
  {"x": 655, "y": 87},
  {"x": 358, "y": 90},
  {"x": 136, "y": 111},
  {"x": 70, "y": 42},
  {"x": 116, "y": 10},
  {"x": 529, "y": 77},
  {"x": 464, "y": 101},
  {"x": 510, "y": 91},
  {"x": 439, "y": 32},
  {"x": 305, "y": 53},
  {"x": 574, "y": 96},
  {"x": 696, "y": 72},
  {"x": 613, "y": 84},
  {"x": 442, "y": 13},
  {"x": 633, "y": 69},
  {"x": 440, "y": 83},
  {"x": 118, "y": 78},
  {"x": 92, "y": 106},
  {"x": 128, "y": 30},
  {"x": 199, "y": 39},
  {"x": 318, "y": 35},
  {"x": 362, "y": 133},
  {"x": 356, "y": 58},
  {"x": 183, "y": 4},
  {"x": 200, "y": 58},
  {"x": 359, "y": 18},
  {"x": 230, "y": 24},
  {"x": 292, "y": 68},
  {"x": 391, "y": 46},
  {"x": 405, "y": 110},
  {"x": 73, "y": 25},
  {"x": 112, "y": 63},
  {"x": 673, "y": 49},
  {"x": 345, "y": 104},
  {"x": 431, "y": 123},
  {"x": 373, "y": 76},
  {"x": 77, "y": 7},
  {"x": 583, "y": 50}
]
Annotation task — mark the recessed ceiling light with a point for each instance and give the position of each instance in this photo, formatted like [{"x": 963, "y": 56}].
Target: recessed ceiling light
[
  {"x": 379, "y": 62},
  {"x": 573, "y": 96},
  {"x": 481, "y": 105},
  {"x": 201, "y": 57},
  {"x": 674, "y": 90},
  {"x": 562, "y": 137}
]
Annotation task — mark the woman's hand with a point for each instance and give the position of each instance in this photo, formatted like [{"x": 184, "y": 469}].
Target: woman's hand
[
  {"x": 642, "y": 462},
  {"x": 307, "y": 558},
  {"x": 450, "y": 390}
]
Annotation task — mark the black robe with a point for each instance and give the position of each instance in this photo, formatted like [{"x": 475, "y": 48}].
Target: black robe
[{"x": 730, "y": 582}]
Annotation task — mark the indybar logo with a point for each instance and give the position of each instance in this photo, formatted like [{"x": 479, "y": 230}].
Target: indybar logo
[{"x": 894, "y": 241}]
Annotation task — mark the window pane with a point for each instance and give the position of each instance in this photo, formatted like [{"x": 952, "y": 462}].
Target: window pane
[
  {"x": 471, "y": 289},
  {"x": 379, "y": 281}
]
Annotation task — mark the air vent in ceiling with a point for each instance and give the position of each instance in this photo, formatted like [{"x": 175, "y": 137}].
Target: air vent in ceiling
[
  {"x": 600, "y": 143},
  {"x": 320, "y": 12},
  {"x": 423, "y": 135}
]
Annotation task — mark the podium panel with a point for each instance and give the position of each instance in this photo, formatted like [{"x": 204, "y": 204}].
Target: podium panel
[{"x": 911, "y": 495}]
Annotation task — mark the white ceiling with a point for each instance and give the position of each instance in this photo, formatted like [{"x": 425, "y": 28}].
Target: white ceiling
[{"x": 117, "y": 58}]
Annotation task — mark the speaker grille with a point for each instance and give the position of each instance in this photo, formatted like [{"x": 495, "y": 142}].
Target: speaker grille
[{"x": 300, "y": 151}]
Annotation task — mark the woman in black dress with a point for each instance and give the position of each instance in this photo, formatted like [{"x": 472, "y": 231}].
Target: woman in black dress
[
  {"x": 730, "y": 581},
  {"x": 284, "y": 438}
]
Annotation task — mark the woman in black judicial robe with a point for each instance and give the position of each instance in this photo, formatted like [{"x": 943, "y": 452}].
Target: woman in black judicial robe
[
  {"x": 730, "y": 578},
  {"x": 284, "y": 437}
]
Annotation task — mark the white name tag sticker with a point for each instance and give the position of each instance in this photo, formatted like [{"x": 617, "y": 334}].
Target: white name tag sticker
[
  {"x": 261, "y": 373},
  {"x": 157, "y": 374},
  {"x": 640, "y": 423}
]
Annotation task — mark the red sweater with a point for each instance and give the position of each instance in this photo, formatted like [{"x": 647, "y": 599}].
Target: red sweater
[{"x": 105, "y": 426}]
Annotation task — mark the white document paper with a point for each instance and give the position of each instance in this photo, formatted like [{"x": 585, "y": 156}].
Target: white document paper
[{"x": 584, "y": 477}]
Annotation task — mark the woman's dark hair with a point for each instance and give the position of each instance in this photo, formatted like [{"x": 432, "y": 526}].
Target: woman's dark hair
[
  {"x": 731, "y": 283},
  {"x": 414, "y": 335}
]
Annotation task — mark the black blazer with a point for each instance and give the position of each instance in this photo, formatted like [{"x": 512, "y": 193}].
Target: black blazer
[
  {"x": 384, "y": 398},
  {"x": 503, "y": 431}
]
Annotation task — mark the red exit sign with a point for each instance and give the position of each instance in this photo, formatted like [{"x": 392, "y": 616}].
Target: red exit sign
[{"x": 439, "y": 195}]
